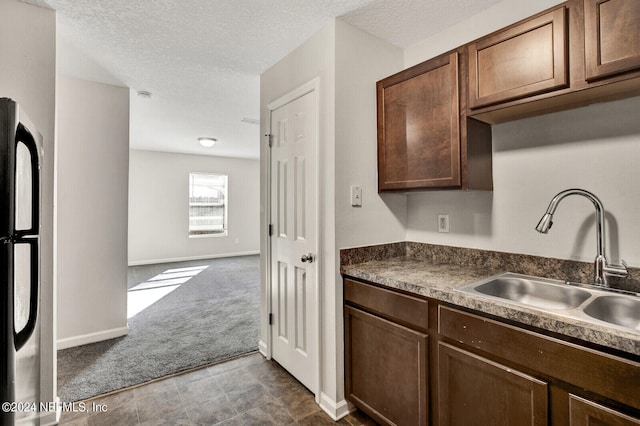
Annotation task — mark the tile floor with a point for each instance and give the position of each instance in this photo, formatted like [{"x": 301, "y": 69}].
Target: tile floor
[{"x": 245, "y": 391}]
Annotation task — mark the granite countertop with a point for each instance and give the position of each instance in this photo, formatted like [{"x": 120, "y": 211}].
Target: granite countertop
[{"x": 438, "y": 280}]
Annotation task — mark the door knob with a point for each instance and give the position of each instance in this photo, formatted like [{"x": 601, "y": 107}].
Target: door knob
[{"x": 307, "y": 258}]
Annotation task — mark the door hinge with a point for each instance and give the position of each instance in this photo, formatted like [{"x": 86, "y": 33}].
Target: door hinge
[
  {"x": 269, "y": 139},
  {"x": 270, "y": 230},
  {"x": 270, "y": 319}
]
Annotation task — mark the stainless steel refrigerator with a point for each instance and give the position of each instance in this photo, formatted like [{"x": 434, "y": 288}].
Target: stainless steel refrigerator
[{"x": 20, "y": 159}]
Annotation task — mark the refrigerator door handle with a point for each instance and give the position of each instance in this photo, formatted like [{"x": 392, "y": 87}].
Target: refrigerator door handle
[
  {"x": 29, "y": 236},
  {"x": 20, "y": 337},
  {"x": 23, "y": 135}
]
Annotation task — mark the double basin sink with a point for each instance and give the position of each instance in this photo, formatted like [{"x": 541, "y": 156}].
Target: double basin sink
[{"x": 586, "y": 302}]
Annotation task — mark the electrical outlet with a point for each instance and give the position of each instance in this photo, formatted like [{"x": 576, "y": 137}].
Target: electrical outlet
[
  {"x": 356, "y": 195},
  {"x": 443, "y": 223}
]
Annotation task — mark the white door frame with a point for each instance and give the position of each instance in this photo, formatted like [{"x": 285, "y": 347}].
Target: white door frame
[{"x": 311, "y": 86}]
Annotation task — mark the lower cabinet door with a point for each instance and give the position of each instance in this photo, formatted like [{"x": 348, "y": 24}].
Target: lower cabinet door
[
  {"x": 386, "y": 369},
  {"x": 475, "y": 391},
  {"x": 587, "y": 413}
]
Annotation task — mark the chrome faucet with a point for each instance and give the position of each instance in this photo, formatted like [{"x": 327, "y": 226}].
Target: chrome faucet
[{"x": 602, "y": 269}]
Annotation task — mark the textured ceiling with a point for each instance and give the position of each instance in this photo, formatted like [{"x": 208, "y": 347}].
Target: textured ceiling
[
  {"x": 405, "y": 22},
  {"x": 202, "y": 59}
]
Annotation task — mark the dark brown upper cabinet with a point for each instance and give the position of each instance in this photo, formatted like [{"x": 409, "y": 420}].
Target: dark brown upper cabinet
[
  {"x": 524, "y": 59},
  {"x": 422, "y": 134},
  {"x": 523, "y": 71},
  {"x": 434, "y": 118},
  {"x": 418, "y": 126},
  {"x": 612, "y": 37}
]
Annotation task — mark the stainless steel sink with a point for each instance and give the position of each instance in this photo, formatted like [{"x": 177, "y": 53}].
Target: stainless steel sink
[
  {"x": 535, "y": 293},
  {"x": 530, "y": 291},
  {"x": 579, "y": 301},
  {"x": 619, "y": 310}
]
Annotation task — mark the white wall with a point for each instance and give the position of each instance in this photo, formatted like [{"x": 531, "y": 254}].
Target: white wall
[
  {"x": 159, "y": 209},
  {"x": 595, "y": 148},
  {"x": 361, "y": 60},
  {"x": 92, "y": 173},
  {"x": 27, "y": 75}
]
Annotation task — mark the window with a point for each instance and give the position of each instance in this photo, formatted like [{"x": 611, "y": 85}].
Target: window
[{"x": 207, "y": 205}]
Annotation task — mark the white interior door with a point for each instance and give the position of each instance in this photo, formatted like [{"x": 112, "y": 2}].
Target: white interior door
[{"x": 294, "y": 298}]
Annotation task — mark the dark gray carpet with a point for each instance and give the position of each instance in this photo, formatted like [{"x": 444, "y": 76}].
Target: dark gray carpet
[{"x": 212, "y": 317}]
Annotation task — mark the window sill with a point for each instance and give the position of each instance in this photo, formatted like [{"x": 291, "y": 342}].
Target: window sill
[{"x": 224, "y": 234}]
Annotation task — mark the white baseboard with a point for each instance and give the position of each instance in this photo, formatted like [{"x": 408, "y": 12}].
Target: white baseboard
[
  {"x": 262, "y": 347},
  {"x": 70, "y": 342},
  {"x": 43, "y": 418},
  {"x": 183, "y": 259},
  {"x": 335, "y": 410}
]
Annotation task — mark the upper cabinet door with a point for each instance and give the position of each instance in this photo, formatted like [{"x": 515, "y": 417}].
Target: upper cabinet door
[
  {"x": 419, "y": 127},
  {"x": 612, "y": 37},
  {"x": 525, "y": 59}
]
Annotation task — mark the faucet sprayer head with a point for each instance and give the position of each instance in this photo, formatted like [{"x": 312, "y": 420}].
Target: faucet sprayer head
[{"x": 545, "y": 223}]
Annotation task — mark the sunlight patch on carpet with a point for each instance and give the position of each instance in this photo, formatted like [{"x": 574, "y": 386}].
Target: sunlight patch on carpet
[
  {"x": 178, "y": 273},
  {"x": 145, "y": 294}
]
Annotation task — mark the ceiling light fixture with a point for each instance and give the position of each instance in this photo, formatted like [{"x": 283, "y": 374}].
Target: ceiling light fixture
[
  {"x": 207, "y": 142},
  {"x": 250, "y": 120}
]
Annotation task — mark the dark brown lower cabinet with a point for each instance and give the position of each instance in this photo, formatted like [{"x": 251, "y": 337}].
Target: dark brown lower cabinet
[
  {"x": 583, "y": 412},
  {"x": 473, "y": 390},
  {"x": 483, "y": 371},
  {"x": 386, "y": 371}
]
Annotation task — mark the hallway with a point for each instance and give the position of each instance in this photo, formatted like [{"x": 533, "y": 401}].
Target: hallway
[{"x": 245, "y": 391}]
